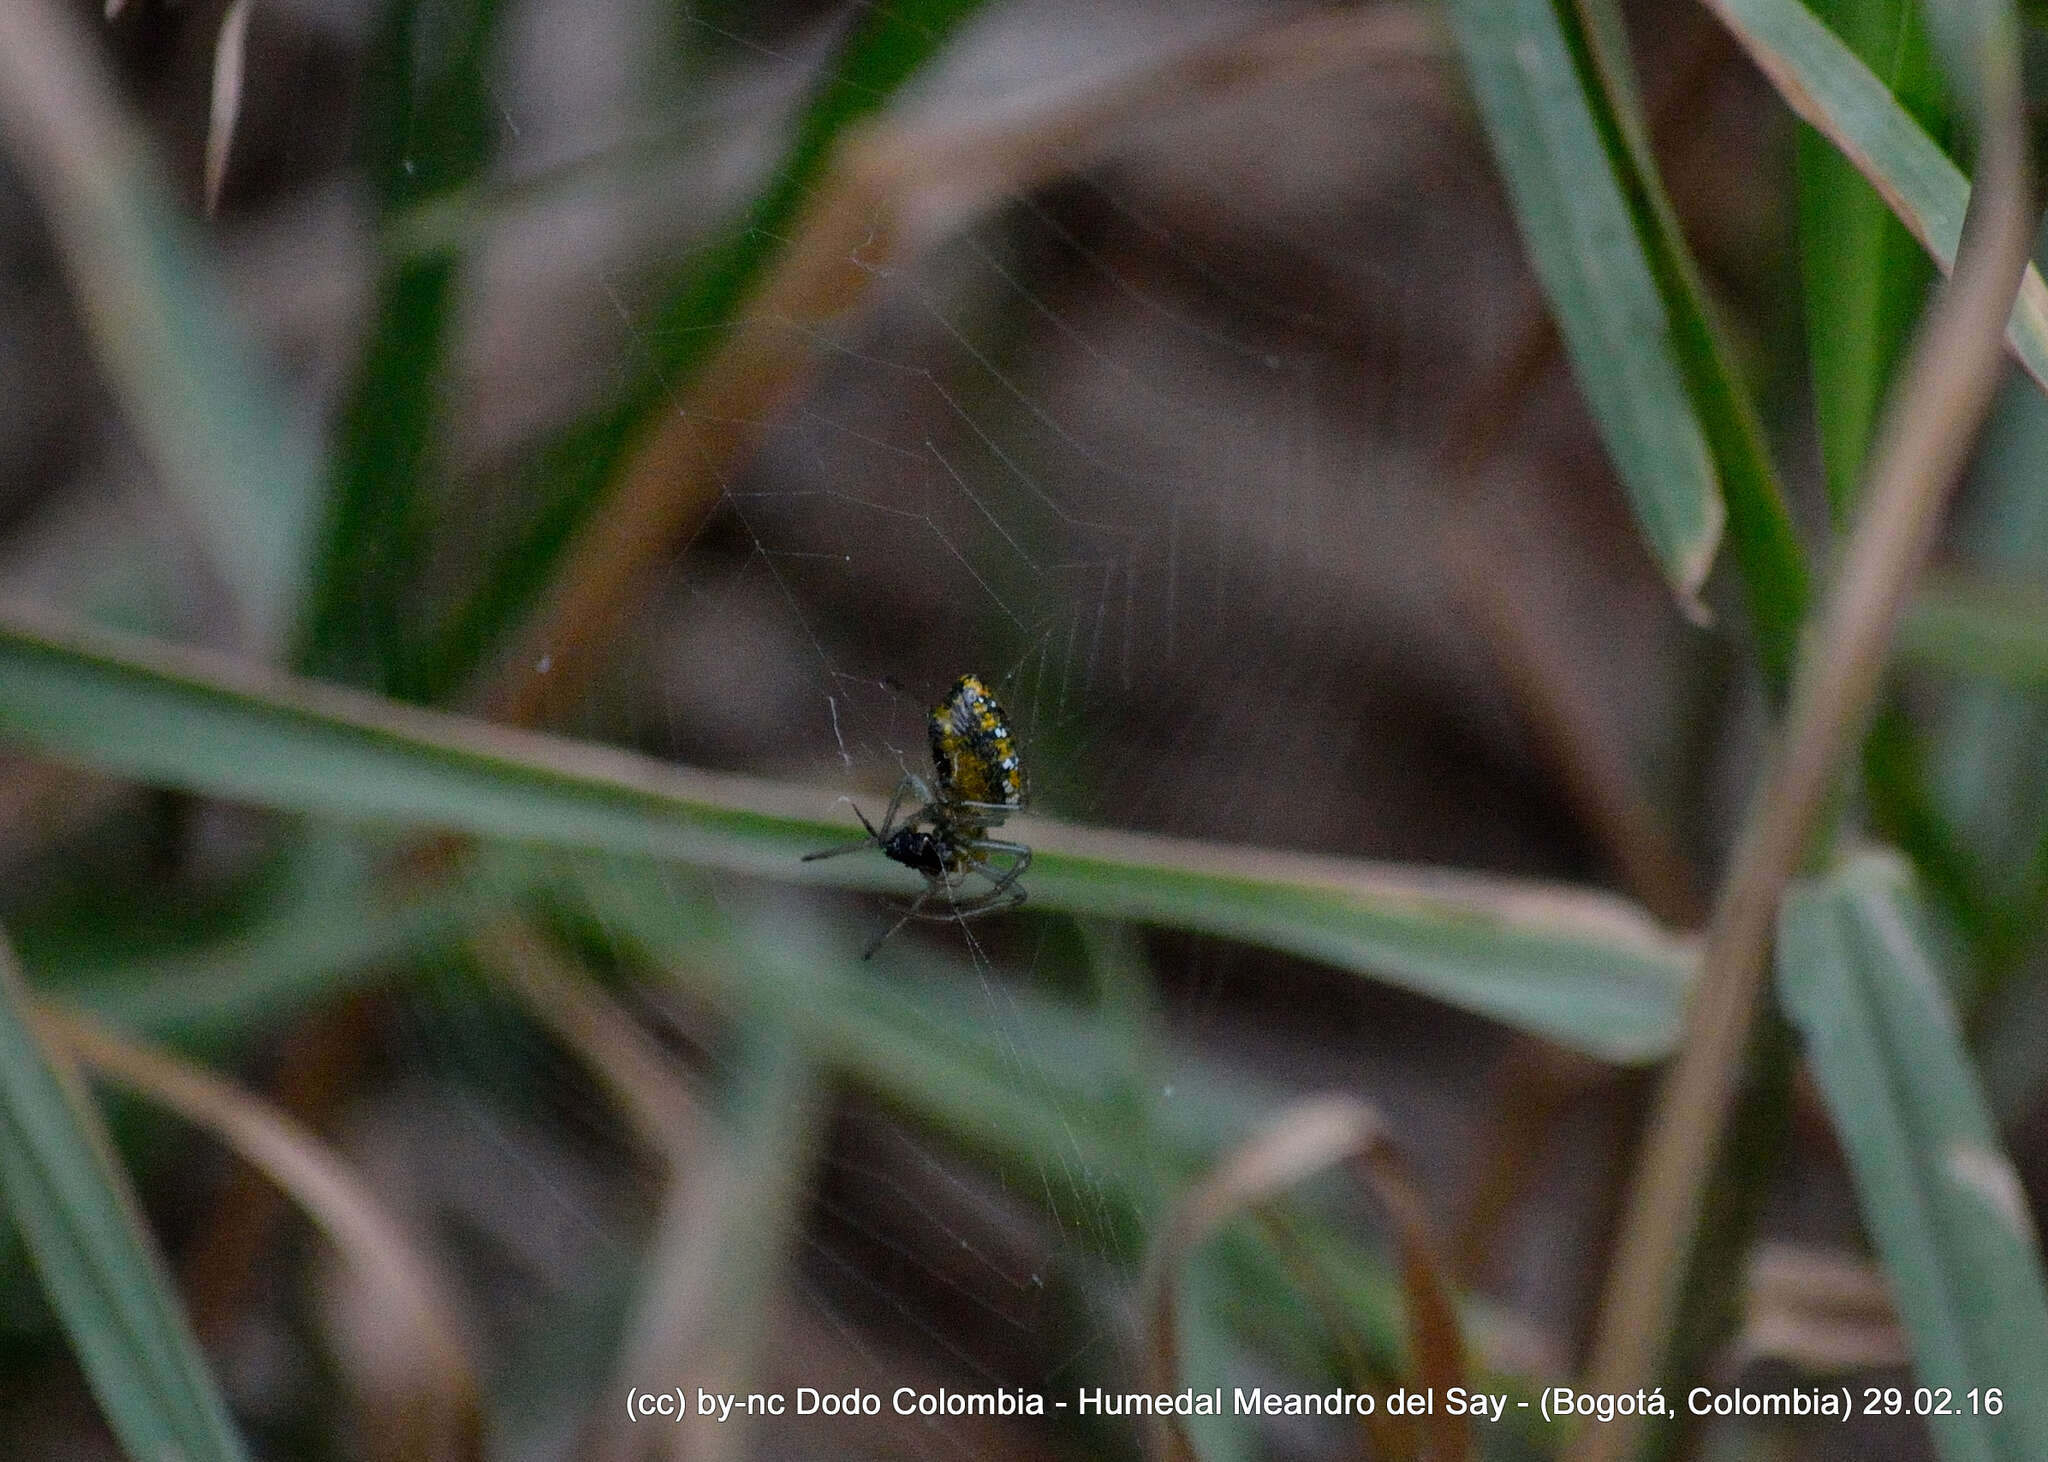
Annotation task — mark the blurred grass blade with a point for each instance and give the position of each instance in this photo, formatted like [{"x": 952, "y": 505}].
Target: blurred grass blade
[
  {"x": 1306, "y": 1139},
  {"x": 230, "y": 52},
  {"x": 1587, "y": 969},
  {"x": 306, "y": 944},
  {"x": 1939, "y": 1196},
  {"x": 1863, "y": 275},
  {"x": 1990, "y": 622},
  {"x": 435, "y": 1404},
  {"x": 885, "y": 49},
  {"x": 638, "y": 1074},
  {"x": 244, "y": 465},
  {"x": 430, "y": 130},
  {"x": 1208, "y": 1343},
  {"x": 1997, "y": 630},
  {"x": 1978, "y": 42},
  {"x": 1556, "y": 93},
  {"x": 924, "y": 1042},
  {"x": 1822, "y": 80},
  {"x": 95, "y": 1257},
  {"x": 728, "y": 1226}
]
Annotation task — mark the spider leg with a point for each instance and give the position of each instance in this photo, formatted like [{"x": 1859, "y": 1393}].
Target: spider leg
[
  {"x": 973, "y": 908},
  {"x": 876, "y": 836},
  {"x": 908, "y": 914},
  {"x": 873, "y": 838},
  {"x": 988, "y": 814},
  {"x": 910, "y": 785},
  {"x": 1002, "y": 892},
  {"x": 866, "y": 842},
  {"x": 1000, "y": 883},
  {"x": 957, "y": 830}
]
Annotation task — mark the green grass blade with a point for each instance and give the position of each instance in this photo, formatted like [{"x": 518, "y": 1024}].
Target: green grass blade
[
  {"x": 1563, "y": 970},
  {"x": 1865, "y": 280},
  {"x": 1822, "y": 80},
  {"x": 924, "y": 1044},
  {"x": 430, "y": 129},
  {"x": 1939, "y": 1196},
  {"x": 887, "y": 47},
  {"x": 1559, "y": 108},
  {"x": 96, "y": 1261},
  {"x": 1996, "y": 631},
  {"x": 1589, "y": 970},
  {"x": 237, "y": 454},
  {"x": 309, "y": 940},
  {"x": 1983, "y": 752},
  {"x": 1864, "y": 276},
  {"x": 379, "y": 515}
]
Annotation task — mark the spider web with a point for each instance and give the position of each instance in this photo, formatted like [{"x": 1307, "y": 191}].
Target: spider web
[
  {"x": 1052, "y": 453},
  {"x": 1156, "y": 451}
]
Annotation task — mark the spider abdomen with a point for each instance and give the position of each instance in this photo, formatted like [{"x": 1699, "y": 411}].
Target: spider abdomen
[{"x": 974, "y": 752}]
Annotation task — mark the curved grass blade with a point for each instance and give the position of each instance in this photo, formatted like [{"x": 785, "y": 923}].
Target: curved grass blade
[
  {"x": 94, "y": 1256},
  {"x": 435, "y": 1394},
  {"x": 1823, "y": 81},
  {"x": 1558, "y": 100},
  {"x": 1584, "y": 968},
  {"x": 1308, "y": 1138},
  {"x": 1939, "y": 1195}
]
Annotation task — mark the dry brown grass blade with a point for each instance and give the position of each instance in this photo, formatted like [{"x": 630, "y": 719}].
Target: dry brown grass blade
[
  {"x": 425, "y": 1397},
  {"x": 1533, "y": 1092},
  {"x": 894, "y": 189},
  {"x": 703, "y": 1317},
  {"x": 230, "y": 48},
  {"x": 697, "y": 1173},
  {"x": 944, "y": 177},
  {"x": 311, "y": 1071},
  {"x": 1560, "y": 711},
  {"x": 1306, "y": 1139},
  {"x": 640, "y": 1077},
  {"x": 1955, "y": 366},
  {"x": 1380, "y": 1434}
]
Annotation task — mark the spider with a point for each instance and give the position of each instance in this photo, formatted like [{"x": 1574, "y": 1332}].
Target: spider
[{"x": 979, "y": 783}]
